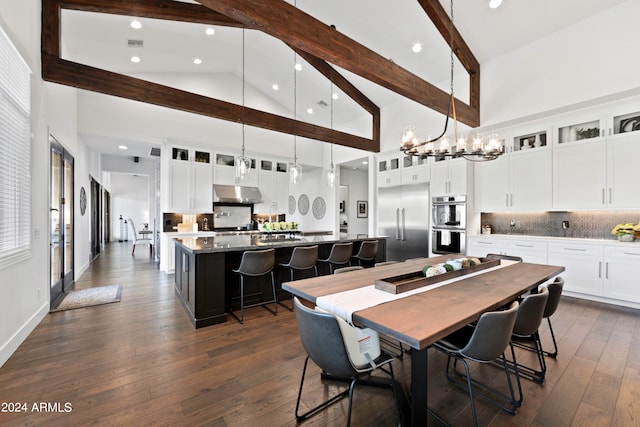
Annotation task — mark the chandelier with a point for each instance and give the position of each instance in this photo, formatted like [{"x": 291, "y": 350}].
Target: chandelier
[{"x": 477, "y": 148}]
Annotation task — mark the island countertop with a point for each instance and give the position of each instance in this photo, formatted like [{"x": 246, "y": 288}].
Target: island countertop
[{"x": 233, "y": 243}]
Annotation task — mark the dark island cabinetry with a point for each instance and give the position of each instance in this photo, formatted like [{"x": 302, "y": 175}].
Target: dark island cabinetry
[
  {"x": 206, "y": 285},
  {"x": 197, "y": 279}
]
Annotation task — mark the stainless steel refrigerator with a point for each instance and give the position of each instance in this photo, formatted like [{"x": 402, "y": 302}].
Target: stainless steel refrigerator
[{"x": 403, "y": 216}]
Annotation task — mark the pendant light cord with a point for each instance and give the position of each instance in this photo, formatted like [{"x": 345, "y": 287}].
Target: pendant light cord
[
  {"x": 243, "y": 89},
  {"x": 331, "y": 120}
]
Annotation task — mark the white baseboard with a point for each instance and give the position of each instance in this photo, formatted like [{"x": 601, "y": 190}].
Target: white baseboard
[
  {"x": 81, "y": 270},
  {"x": 9, "y": 347}
]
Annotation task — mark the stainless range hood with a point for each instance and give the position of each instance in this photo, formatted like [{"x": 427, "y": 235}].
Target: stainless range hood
[{"x": 236, "y": 194}]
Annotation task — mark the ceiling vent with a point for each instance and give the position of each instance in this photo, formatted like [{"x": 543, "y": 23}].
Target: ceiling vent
[
  {"x": 322, "y": 104},
  {"x": 155, "y": 152},
  {"x": 135, "y": 43}
]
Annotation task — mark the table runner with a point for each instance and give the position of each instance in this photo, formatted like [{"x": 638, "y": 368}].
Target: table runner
[{"x": 344, "y": 304}]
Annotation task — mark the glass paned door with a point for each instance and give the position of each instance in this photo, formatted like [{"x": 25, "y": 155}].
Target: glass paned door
[
  {"x": 61, "y": 220},
  {"x": 55, "y": 212}
]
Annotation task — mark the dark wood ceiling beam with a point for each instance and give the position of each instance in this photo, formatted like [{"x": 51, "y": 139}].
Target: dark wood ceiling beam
[
  {"x": 81, "y": 76},
  {"x": 294, "y": 27},
  {"x": 58, "y": 70},
  {"x": 442, "y": 22},
  {"x": 158, "y": 9},
  {"x": 345, "y": 85}
]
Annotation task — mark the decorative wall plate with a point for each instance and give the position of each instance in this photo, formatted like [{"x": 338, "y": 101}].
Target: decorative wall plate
[
  {"x": 292, "y": 205},
  {"x": 303, "y": 204},
  {"x": 83, "y": 201},
  {"x": 319, "y": 207}
]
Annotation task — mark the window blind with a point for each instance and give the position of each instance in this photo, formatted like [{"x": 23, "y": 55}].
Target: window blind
[{"x": 15, "y": 154}]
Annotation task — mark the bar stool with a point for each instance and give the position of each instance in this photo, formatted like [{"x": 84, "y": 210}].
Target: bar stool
[
  {"x": 367, "y": 253},
  {"x": 340, "y": 255},
  {"x": 302, "y": 258},
  {"x": 255, "y": 264}
]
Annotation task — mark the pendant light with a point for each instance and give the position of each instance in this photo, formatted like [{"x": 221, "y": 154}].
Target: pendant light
[
  {"x": 295, "y": 170},
  {"x": 243, "y": 163},
  {"x": 331, "y": 173},
  {"x": 478, "y": 149}
]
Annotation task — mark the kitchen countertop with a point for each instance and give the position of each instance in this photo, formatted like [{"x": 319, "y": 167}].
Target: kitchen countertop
[
  {"x": 611, "y": 241},
  {"x": 231, "y": 243},
  {"x": 211, "y": 233}
]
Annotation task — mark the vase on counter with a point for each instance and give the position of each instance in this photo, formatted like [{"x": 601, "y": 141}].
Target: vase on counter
[{"x": 626, "y": 238}]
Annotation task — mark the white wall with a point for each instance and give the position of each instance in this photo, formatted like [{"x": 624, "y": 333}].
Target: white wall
[
  {"x": 25, "y": 286},
  {"x": 130, "y": 198},
  {"x": 122, "y": 171},
  {"x": 314, "y": 184},
  {"x": 594, "y": 58},
  {"x": 358, "y": 183}
]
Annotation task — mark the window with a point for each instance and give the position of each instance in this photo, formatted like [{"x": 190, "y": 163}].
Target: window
[{"x": 15, "y": 154}]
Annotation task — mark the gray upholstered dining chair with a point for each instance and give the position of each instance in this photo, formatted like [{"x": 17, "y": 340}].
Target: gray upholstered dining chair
[
  {"x": 367, "y": 253},
  {"x": 483, "y": 342},
  {"x": 525, "y": 330},
  {"x": 504, "y": 256},
  {"x": 340, "y": 255},
  {"x": 347, "y": 269},
  {"x": 137, "y": 240},
  {"x": 255, "y": 264},
  {"x": 555, "y": 292},
  {"x": 334, "y": 346},
  {"x": 302, "y": 258}
]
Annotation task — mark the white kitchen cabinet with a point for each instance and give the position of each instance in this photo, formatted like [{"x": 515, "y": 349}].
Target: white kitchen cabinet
[
  {"x": 584, "y": 266},
  {"x": 224, "y": 172},
  {"x": 530, "y": 250},
  {"x": 521, "y": 181},
  {"x": 190, "y": 180},
  {"x": 580, "y": 176},
  {"x": 273, "y": 181},
  {"x": 480, "y": 246},
  {"x": 389, "y": 172},
  {"x": 190, "y": 187},
  {"x": 621, "y": 264},
  {"x": 415, "y": 170},
  {"x": 623, "y": 171},
  {"x": 598, "y": 175},
  {"x": 449, "y": 177}
]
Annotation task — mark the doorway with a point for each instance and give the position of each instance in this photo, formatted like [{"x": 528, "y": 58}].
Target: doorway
[
  {"x": 61, "y": 219},
  {"x": 96, "y": 218}
]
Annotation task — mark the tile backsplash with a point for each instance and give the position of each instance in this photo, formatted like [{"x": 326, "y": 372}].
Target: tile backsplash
[{"x": 586, "y": 225}]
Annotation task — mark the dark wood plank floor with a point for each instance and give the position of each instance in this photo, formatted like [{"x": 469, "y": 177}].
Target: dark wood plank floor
[{"x": 140, "y": 362}]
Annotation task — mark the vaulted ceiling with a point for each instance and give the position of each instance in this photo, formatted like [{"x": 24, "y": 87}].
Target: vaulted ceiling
[{"x": 382, "y": 37}]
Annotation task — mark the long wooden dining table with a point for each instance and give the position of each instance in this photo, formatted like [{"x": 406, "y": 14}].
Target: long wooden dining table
[{"x": 421, "y": 319}]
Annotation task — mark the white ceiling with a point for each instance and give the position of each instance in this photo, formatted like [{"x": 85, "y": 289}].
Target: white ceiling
[{"x": 389, "y": 28}]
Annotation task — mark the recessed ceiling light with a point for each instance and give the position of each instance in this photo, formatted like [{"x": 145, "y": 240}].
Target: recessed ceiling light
[
  {"x": 275, "y": 86},
  {"x": 135, "y": 24},
  {"x": 310, "y": 110},
  {"x": 197, "y": 61},
  {"x": 209, "y": 31},
  {"x": 364, "y": 162},
  {"x": 495, "y": 3},
  {"x": 417, "y": 47},
  {"x": 298, "y": 66},
  {"x": 135, "y": 59},
  {"x": 123, "y": 147},
  {"x": 335, "y": 95}
]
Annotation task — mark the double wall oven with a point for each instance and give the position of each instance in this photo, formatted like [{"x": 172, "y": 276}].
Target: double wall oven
[{"x": 449, "y": 224}]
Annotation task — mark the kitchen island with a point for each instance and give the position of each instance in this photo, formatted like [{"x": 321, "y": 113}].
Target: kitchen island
[{"x": 206, "y": 285}]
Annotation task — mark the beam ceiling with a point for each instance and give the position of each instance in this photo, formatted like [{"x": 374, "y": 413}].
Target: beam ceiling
[{"x": 316, "y": 42}]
